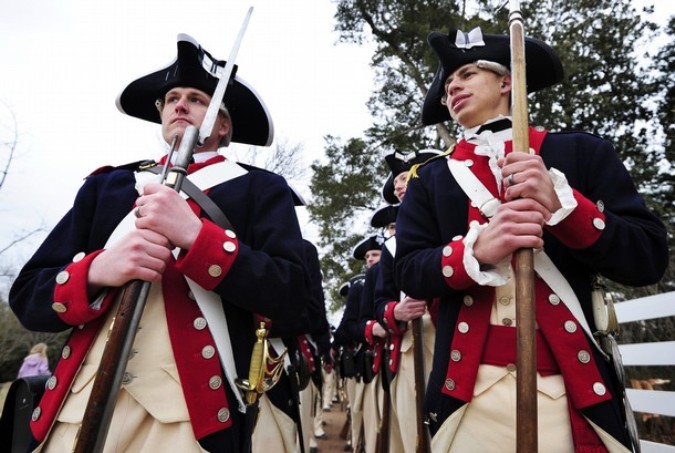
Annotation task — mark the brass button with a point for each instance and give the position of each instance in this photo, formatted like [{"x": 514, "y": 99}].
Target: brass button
[
  {"x": 455, "y": 355},
  {"x": 504, "y": 300},
  {"x": 584, "y": 356},
  {"x": 208, "y": 352},
  {"x": 507, "y": 321},
  {"x": 229, "y": 247},
  {"x": 458, "y": 237},
  {"x": 223, "y": 415},
  {"x": 230, "y": 234},
  {"x": 450, "y": 384},
  {"x": 215, "y": 270},
  {"x": 392, "y": 347},
  {"x": 468, "y": 163},
  {"x": 599, "y": 389},
  {"x": 468, "y": 301},
  {"x": 447, "y": 250},
  {"x": 598, "y": 223},
  {"x": 78, "y": 257},
  {"x": 391, "y": 362},
  {"x": 570, "y": 326},
  {"x": 62, "y": 277},
  {"x": 511, "y": 367},
  {"x": 463, "y": 327},
  {"x": 448, "y": 271},
  {"x": 66, "y": 351},
  {"x": 199, "y": 323},
  {"x": 51, "y": 383},
  {"x": 36, "y": 414},
  {"x": 59, "y": 307},
  {"x": 215, "y": 382},
  {"x": 554, "y": 299}
]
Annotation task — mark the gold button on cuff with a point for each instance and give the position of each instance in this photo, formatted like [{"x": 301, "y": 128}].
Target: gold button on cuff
[
  {"x": 450, "y": 384},
  {"x": 570, "y": 326},
  {"x": 448, "y": 271},
  {"x": 208, "y": 352},
  {"x": 507, "y": 321},
  {"x": 215, "y": 270},
  {"x": 511, "y": 367},
  {"x": 504, "y": 300},
  {"x": 455, "y": 355},
  {"x": 229, "y": 247},
  {"x": 600, "y": 205},
  {"x": 51, "y": 383},
  {"x": 554, "y": 299},
  {"x": 199, "y": 323},
  {"x": 468, "y": 301},
  {"x": 447, "y": 250},
  {"x": 599, "y": 389},
  {"x": 215, "y": 382},
  {"x": 62, "y": 277},
  {"x": 66, "y": 351},
  {"x": 598, "y": 223},
  {"x": 463, "y": 327},
  {"x": 584, "y": 356},
  {"x": 58, "y": 307},
  {"x": 230, "y": 234},
  {"x": 223, "y": 415},
  {"x": 78, "y": 257},
  {"x": 36, "y": 414}
]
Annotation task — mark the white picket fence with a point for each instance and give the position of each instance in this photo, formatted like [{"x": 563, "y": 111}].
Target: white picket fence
[{"x": 649, "y": 354}]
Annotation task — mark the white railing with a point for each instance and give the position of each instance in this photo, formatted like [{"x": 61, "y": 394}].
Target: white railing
[{"x": 649, "y": 354}]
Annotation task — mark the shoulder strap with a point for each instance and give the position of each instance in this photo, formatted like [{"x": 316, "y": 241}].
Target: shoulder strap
[{"x": 204, "y": 202}]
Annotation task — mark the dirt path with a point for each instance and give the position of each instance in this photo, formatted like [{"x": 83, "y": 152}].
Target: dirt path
[{"x": 334, "y": 421}]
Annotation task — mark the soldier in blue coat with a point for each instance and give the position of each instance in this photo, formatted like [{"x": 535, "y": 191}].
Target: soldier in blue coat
[
  {"x": 463, "y": 217},
  {"x": 178, "y": 391}
]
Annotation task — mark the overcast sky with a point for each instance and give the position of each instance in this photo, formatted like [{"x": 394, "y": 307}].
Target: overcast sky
[{"x": 64, "y": 63}]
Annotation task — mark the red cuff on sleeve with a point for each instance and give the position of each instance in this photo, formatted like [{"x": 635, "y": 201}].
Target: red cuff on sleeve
[
  {"x": 211, "y": 256},
  {"x": 583, "y": 227},
  {"x": 392, "y": 324},
  {"x": 452, "y": 266},
  {"x": 71, "y": 300}
]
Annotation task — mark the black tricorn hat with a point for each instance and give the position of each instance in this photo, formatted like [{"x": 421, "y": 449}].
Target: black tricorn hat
[
  {"x": 194, "y": 67},
  {"x": 398, "y": 162},
  {"x": 455, "y": 49},
  {"x": 370, "y": 243},
  {"x": 384, "y": 216}
]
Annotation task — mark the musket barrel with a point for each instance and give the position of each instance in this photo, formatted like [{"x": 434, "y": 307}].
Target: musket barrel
[{"x": 526, "y": 378}]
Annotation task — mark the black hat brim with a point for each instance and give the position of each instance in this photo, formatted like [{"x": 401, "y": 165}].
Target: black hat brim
[
  {"x": 251, "y": 121},
  {"x": 384, "y": 216},
  {"x": 543, "y": 66},
  {"x": 371, "y": 243}
]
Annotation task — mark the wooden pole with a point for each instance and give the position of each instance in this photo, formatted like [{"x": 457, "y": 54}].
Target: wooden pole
[{"x": 526, "y": 378}]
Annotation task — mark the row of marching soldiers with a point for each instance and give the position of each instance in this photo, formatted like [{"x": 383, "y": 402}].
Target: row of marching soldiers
[
  {"x": 375, "y": 335},
  {"x": 373, "y": 344}
]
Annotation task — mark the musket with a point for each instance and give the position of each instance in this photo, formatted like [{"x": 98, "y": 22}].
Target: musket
[
  {"x": 101, "y": 404},
  {"x": 423, "y": 441},
  {"x": 526, "y": 362}
]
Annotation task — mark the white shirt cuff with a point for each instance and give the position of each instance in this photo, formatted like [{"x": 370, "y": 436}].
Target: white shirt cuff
[
  {"x": 486, "y": 276},
  {"x": 565, "y": 195}
]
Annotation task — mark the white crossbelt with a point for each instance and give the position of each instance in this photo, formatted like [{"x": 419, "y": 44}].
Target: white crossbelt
[{"x": 543, "y": 265}]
